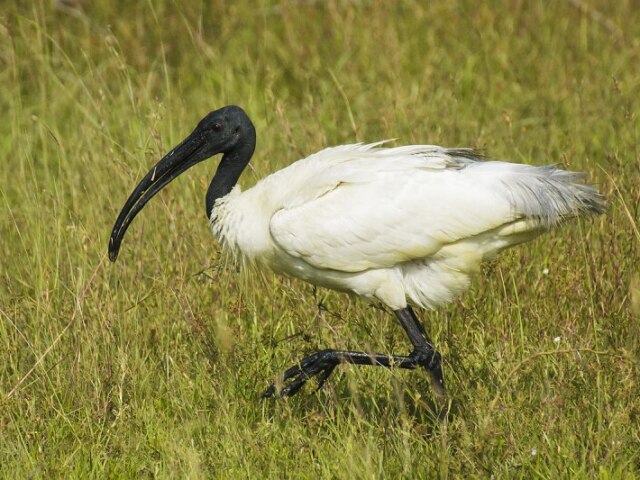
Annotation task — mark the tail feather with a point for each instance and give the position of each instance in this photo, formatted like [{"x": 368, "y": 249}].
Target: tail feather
[{"x": 552, "y": 195}]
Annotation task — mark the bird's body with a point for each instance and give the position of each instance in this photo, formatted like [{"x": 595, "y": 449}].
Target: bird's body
[
  {"x": 405, "y": 225},
  {"x": 402, "y": 224}
]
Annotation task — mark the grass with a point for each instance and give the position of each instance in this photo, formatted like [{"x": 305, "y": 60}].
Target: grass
[{"x": 151, "y": 367}]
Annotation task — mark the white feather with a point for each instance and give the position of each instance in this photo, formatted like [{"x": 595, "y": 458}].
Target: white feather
[{"x": 395, "y": 224}]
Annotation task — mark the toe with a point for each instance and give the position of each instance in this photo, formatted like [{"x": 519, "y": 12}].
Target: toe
[{"x": 269, "y": 392}]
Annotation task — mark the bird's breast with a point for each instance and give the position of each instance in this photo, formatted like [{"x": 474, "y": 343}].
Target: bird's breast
[{"x": 240, "y": 222}]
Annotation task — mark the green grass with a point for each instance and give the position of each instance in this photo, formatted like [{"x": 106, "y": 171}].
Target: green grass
[{"x": 152, "y": 366}]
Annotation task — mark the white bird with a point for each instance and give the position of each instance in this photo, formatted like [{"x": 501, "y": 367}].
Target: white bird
[{"x": 401, "y": 226}]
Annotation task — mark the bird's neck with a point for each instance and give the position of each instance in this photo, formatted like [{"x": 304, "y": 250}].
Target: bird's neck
[{"x": 229, "y": 171}]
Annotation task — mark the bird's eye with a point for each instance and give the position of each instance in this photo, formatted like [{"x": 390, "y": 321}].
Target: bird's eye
[{"x": 217, "y": 127}]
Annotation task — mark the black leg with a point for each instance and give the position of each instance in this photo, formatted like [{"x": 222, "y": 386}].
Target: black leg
[
  {"x": 423, "y": 349},
  {"x": 322, "y": 364}
]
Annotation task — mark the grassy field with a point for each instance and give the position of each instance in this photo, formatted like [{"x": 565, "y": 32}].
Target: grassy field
[{"x": 151, "y": 367}]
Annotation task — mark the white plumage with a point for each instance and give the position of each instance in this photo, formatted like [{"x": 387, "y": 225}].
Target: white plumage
[{"x": 401, "y": 224}]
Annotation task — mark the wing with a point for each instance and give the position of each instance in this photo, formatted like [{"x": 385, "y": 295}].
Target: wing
[{"x": 397, "y": 205}]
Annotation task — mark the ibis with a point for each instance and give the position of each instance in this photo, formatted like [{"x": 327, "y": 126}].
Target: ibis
[{"x": 404, "y": 226}]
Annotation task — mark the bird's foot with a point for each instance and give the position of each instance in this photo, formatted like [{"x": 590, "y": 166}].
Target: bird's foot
[
  {"x": 431, "y": 361},
  {"x": 319, "y": 365}
]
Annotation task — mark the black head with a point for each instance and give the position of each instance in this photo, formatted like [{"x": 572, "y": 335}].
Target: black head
[
  {"x": 222, "y": 130},
  {"x": 227, "y": 130}
]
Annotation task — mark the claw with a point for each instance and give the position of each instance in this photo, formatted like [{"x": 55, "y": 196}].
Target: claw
[
  {"x": 322, "y": 377},
  {"x": 321, "y": 364},
  {"x": 269, "y": 392}
]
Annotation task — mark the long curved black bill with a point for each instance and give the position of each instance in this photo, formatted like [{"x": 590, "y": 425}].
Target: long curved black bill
[{"x": 189, "y": 152}]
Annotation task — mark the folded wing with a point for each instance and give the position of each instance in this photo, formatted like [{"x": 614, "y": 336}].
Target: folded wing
[{"x": 404, "y": 206}]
